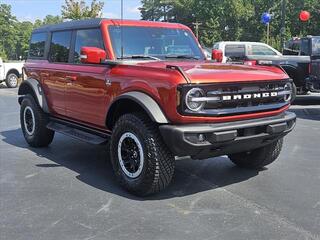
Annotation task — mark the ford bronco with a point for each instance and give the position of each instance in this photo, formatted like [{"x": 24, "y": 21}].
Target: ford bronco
[{"x": 147, "y": 91}]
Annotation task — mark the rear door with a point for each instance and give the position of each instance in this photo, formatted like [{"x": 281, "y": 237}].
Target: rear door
[
  {"x": 54, "y": 76},
  {"x": 86, "y": 88}
]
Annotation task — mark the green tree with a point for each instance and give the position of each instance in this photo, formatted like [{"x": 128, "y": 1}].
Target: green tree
[
  {"x": 23, "y": 34},
  {"x": 235, "y": 19},
  {"x": 49, "y": 19},
  {"x": 8, "y": 24},
  {"x": 77, "y": 9}
]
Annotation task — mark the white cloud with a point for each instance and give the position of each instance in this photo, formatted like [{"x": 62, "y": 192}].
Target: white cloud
[
  {"x": 134, "y": 10},
  {"x": 110, "y": 15}
]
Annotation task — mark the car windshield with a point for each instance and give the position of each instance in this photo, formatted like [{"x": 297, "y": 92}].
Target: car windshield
[
  {"x": 159, "y": 43},
  {"x": 316, "y": 46}
]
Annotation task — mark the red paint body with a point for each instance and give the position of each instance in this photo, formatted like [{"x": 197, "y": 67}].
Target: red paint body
[{"x": 78, "y": 91}]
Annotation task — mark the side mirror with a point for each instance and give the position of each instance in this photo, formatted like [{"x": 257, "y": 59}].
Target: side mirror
[
  {"x": 92, "y": 55},
  {"x": 217, "y": 55}
]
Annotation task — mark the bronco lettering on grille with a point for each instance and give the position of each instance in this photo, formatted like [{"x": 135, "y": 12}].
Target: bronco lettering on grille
[{"x": 249, "y": 96}]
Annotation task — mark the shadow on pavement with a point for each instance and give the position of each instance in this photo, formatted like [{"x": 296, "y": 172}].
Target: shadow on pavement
[
  {"x": 94, "y": 168},
  {"x": 307, "y": 100},
  {"x": 304, "y": 107},
  {"x": 307, "y": 113}
]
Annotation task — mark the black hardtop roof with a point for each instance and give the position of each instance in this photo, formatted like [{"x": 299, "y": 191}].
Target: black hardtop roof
[{"x": 77, "y": 24}]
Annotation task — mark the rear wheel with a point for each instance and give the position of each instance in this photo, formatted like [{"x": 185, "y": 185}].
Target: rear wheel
[
  {"x": 142, "y": 162},
  {"x": 12, "y": 80},
  {"x": 258, "y": 158},
  {"x": 33, "y": 123}
]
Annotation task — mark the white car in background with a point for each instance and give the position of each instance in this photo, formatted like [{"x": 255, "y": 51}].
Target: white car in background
[
  {"x": 236, "y": 50},
  {"x": 10, "y": 72}
]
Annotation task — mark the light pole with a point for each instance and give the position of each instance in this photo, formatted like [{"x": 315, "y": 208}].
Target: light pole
[
  {"x": 283, "y": 22},
  {"x": 197, "y": 24}
]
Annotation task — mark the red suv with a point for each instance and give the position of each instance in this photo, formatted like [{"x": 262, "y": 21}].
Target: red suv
[{"x": 147, "y": 89}]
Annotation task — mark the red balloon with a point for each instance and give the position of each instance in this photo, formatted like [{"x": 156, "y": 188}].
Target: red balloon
[{"x": 304, "y": 16}]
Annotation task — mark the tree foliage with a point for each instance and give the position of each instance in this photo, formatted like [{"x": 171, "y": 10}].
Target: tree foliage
[
  {"x": 8, "y": 30},
  {"x": 77, "y": 9},
  {"x": 235, "y": 19}
]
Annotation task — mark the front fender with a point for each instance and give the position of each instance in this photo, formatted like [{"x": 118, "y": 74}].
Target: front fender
[{"x": 146, "y": 102}]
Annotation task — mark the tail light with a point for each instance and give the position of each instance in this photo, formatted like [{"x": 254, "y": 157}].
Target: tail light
[
  {"x": 250, "y": 63},
  {"x": 310, "y": 68}
]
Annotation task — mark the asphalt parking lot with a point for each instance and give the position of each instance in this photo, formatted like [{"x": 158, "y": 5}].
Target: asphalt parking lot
[{"x": 68, "y": 191}]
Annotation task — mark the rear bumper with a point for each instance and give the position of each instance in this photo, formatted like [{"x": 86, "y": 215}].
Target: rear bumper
[{"x": 208, "y": 140}]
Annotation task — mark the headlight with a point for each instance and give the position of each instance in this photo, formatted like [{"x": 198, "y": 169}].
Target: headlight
[
  {"x": 288, "y": 92},
  {"x": 192, "y": 99}
]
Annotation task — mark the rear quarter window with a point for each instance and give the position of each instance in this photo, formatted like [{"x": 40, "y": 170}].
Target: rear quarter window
[
  {"x": 37, "y": 45},
  {"x": 235, "y": 50},
  {"x": 60, "y": 46}
]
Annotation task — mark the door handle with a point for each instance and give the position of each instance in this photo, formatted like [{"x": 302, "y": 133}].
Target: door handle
[
  {"x": 44, "y": 74},
  {"x": 71, "y": 78}
]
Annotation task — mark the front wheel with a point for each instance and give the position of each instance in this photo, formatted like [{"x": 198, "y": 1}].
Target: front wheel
[
  {"x": 141, "y": 161},
  {"x": 33, "y": 123},
  {"x": 258, "y": 158},
  {"x": 12, "y": 80}
]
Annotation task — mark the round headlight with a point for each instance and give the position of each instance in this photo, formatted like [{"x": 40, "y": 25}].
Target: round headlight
[
  {"x": 192, "y": 99},
  {"x": 288, "y": 88}
]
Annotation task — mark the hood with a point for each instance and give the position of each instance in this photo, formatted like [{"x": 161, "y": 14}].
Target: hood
[{"x": 207, "y": 72}]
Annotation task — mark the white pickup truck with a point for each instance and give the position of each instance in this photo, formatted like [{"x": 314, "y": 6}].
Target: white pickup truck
[{"x": 10, "y": 72}]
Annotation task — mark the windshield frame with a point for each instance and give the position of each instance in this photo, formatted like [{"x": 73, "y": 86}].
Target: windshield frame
[{"x": 162, "y": 57}]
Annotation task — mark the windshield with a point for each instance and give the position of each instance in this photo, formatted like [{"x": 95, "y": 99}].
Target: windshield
[
  {"x": 156, "y": 42},
  {"x": 316, "y": 46}
]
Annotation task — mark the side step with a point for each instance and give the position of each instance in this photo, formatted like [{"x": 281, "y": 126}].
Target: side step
[{"x": 77, "y": 133}]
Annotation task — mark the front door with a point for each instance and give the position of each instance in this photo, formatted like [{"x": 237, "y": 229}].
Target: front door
[{"x": 86, "y": 89}]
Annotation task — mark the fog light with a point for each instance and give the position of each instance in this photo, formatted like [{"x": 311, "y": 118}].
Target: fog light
[{"x": 196, "y": 138}]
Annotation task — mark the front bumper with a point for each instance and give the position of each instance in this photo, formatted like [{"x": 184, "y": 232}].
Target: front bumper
[
  {"x": 313, "y": 84},
  {"x": 208, "y": 140}
]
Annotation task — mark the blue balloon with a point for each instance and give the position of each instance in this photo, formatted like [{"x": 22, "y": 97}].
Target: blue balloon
[{"x": 266, "y": 18}]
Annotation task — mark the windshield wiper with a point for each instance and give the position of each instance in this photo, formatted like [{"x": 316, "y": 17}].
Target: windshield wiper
[
  {"x": 139, "y": 57},
  {"x": 182, "y": 57}
]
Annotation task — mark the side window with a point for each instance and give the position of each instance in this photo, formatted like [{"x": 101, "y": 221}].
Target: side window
[
  {"x": 37, "y": 45},
  {"x": 262, "y": 50},
  {"x": 88, "y": 38},
  {"x": 60, "y": 46},
  {"x": 216, "y": 46},
  {"x": 316, "y": 46},
  {"x": 305, "y": 47},
  {"x": 235, "y": 50}
]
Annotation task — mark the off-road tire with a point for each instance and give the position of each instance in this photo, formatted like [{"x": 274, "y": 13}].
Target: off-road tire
[
  {"x": 258, "y": 158},
  {"x": 41, "y": 136},
  {"x": 158, "y": 167}
]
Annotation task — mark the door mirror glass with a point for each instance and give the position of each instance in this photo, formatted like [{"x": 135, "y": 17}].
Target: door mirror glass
[{"x": 92, "y": 55}]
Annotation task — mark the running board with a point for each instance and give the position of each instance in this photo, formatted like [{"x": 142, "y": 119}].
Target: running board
[{"x": 77, "y": 133}]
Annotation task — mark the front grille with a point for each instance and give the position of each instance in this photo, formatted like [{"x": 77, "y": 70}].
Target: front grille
[{"x": 242, "y": 98}]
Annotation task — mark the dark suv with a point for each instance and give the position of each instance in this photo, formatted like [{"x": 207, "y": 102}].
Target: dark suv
[
  {"x": 307, "y": 46},
  {"x": 147, "y": 89}
]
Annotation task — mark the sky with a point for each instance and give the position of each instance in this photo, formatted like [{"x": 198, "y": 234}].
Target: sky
[{"x": 30, "y": 10}]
